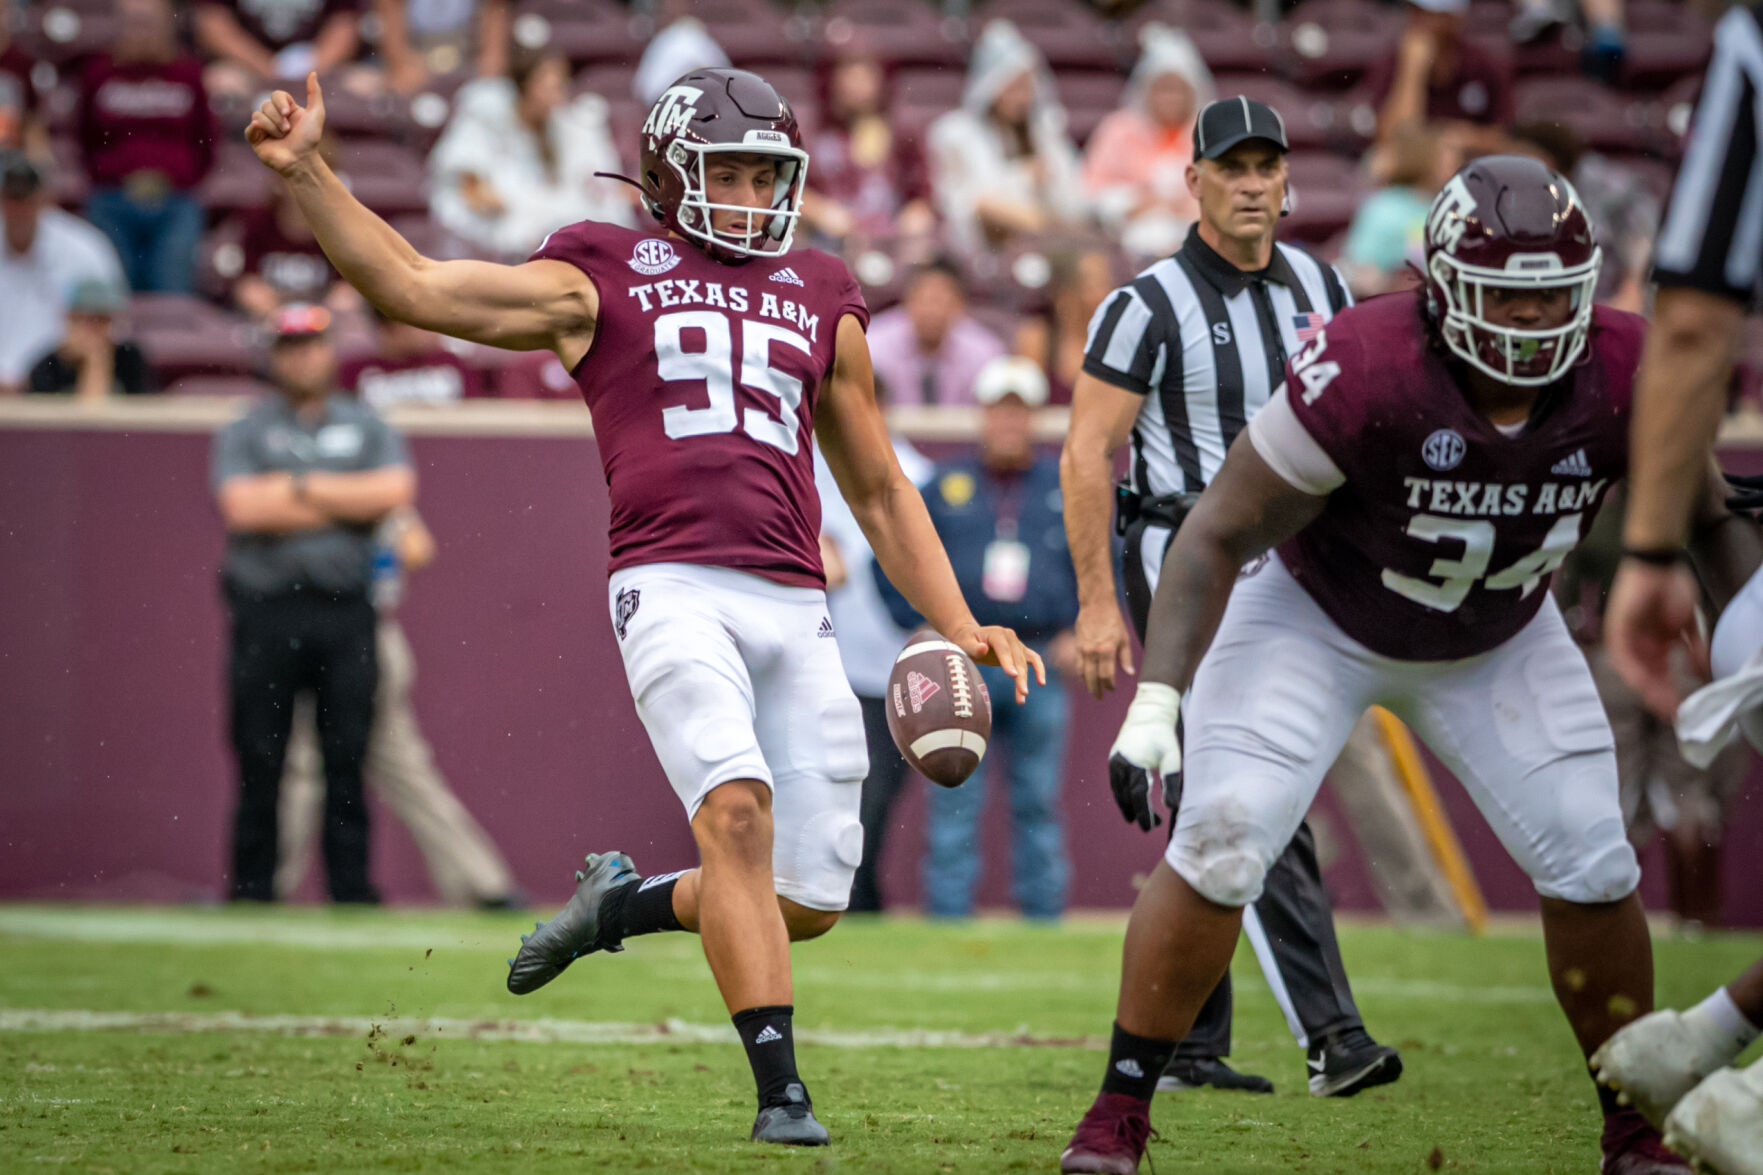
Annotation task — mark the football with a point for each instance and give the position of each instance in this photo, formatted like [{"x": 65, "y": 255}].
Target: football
[{"x": 938, "y": 710}]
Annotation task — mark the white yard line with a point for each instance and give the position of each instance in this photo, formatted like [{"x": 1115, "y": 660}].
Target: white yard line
[{"x": 536, "y": 1031}]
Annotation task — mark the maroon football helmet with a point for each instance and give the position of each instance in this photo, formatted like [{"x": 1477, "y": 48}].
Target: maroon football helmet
[
  {"x": 722, "y": 110},
  {"x": 1508, "y": 221}
]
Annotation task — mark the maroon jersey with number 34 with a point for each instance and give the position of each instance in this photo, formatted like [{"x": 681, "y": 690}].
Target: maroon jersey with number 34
[
  {"x": 702, "y": 380},
  {"x": 1441, "y": 541}
]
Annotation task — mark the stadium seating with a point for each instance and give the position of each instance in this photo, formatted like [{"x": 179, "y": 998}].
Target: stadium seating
[
  {"x": 1067, "y": 32},
  {"x": 185, "y": 336},
  {"x": 1601, "y": 117},
  {"x": 901, "y": 32},
  {"x": 1228, "y": 38},
  {"x": 1326, "y": 191},
  {"x": 1329, "y": 44}
]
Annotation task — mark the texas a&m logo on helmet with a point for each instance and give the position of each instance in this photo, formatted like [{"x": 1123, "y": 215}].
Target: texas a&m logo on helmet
[
  {"x": 731, "y": 111},
  {"x": 1506, "y": 222}
]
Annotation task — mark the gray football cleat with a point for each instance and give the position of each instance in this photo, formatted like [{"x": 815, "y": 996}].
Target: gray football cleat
[
  {"x": 575, "y": 930},
  {"x": 790, "y": 1122}
]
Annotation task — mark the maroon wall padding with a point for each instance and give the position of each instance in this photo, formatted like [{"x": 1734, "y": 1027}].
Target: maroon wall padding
[{"x": 115, "y": 778}]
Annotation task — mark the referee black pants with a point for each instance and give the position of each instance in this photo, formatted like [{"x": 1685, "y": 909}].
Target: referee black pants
[
  {"x": 283, "y": 645},
  {"x": 1293, "y": 918}
]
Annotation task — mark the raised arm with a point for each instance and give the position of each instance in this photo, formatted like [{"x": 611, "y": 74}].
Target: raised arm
[
  {"x": 854, "y": 440},
  {"x": 541, "y": 305},
  {"x": 1101, "y": 420}
]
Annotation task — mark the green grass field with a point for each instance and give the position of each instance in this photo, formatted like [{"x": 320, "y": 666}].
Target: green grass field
[{"x": 307, "y": 1040}]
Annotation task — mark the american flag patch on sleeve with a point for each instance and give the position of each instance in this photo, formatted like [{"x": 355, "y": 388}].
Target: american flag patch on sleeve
[{"x": 1308, "y": 325}]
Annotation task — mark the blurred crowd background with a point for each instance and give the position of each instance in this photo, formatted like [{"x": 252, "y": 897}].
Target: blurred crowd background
[{"x": 989, "y": 173}]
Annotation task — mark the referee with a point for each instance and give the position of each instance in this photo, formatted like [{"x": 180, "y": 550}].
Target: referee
[
  {"x": 1708, "y": 262},
  {"x": 302, "y": 480},
  {"x": 1177, "y": 361}
]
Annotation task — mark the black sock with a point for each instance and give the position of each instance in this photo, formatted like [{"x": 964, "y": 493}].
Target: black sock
[
  {"x": 640, "y": 907},
  {"x": 1135, "y": 1063},
  {"x": 771, "y": 1049},
  {"x": 1607, "y": 1098}
]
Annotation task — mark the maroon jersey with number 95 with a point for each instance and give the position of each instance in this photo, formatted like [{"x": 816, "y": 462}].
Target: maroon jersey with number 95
[
  {"x": 1441, "y": 541},
  {"x": 702, "y": 380}
]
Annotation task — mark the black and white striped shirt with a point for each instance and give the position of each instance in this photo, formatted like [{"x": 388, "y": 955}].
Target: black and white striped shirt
[
  {"x": 1206, "y": 344},
  {"x": 1712, "y": 236}
]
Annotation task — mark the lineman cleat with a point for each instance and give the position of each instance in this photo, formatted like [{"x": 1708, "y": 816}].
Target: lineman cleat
[
  {"x": 1719, "y": 1123},
  {"x": 575, "y": 930},
  {"x": 1631, "y": 1146},
  {"x": 1659, "y": 1058},
  {"x": 1111, "y": 1138},
  {"x": 1209, "y": 1073},
  {"x": 790, "y": 1122},
  {"x": 1350, "y": 1061}
]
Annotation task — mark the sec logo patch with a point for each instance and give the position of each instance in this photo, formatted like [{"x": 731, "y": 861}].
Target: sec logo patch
[
  {"x": 654, "y": 256},
  {"x": 1443, "y": 450}
]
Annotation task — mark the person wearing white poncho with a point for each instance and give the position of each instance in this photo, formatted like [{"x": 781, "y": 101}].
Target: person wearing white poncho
[
  {"x": 1003, "y": 163},
  {"x": 518, "y": 160},
  {"x": 1135, "y": 166}
]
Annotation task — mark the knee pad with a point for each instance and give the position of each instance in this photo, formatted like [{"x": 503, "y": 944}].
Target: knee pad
[
  {"x": 1607, "y": 872},
  {"x": 1224, "y": 854},
  {"x": 814, "y": 860}
]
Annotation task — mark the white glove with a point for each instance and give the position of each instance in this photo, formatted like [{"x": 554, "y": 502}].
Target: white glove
[{"x": 1147, "y": 737}]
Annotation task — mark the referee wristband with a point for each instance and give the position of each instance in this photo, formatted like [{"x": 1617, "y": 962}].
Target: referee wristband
[{"x": 1656, "y": 556}]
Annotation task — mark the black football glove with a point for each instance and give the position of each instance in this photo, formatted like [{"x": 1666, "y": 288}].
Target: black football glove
[{"x": 1132, "y": 791}]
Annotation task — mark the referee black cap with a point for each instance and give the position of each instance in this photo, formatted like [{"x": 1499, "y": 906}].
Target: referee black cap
[{"x": 1229, "y": 121}]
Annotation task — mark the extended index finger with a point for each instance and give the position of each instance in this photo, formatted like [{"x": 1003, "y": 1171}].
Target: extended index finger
[{"x": 1034, "y": 659}]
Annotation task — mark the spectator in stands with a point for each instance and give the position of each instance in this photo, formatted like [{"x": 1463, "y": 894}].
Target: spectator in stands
[
  {"x": 1622, "y": 211},
  {"x": 147, "y": 138},
  {"x": 1438, "y": 75},
  {"x": 46, "y": 253},
  {"x": 252, "y": 43},
  {"x": 1000, "y": 517},
  {"x": 1388, "y": 230},
  {"x": 1136, "y": 164},
  {"x": 1606, "y": 39},
  {"x": 463, "y": 862},
  {"x": 928, "y": 350},
  {"x": 281, "y": 262},
  {"x": 1054, "y": 335},
  {"x": 519, "y": 157},
  {"x": 681, "y": 45},
  {"x": 21, "y": 122},
  {"x": 90, "y": 361},
  {"x": 407, "y": 365},
  {"x": 869, "y": 176},
  {"x": 419, "y": 39},
  {"x": 302, "y": 480},
  {"x": 1004, "y": 164}
]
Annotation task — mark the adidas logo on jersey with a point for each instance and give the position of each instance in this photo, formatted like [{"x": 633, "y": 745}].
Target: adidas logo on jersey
[
  {"x": 826, "y": 626},
  {"x": 786, "y": 274},
  {"x": 1574, "y": 466},
  {"x": 767, "y": 1035},
  {"x": 1129, "y": 1067}
]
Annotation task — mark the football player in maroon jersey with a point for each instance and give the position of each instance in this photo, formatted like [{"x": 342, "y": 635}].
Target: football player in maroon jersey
[
  {"x": 1384, "y": 533},
  {"x": 709, "y": 357}
]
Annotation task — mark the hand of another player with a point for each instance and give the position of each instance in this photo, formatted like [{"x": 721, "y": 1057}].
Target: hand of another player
[
  {"x": 1000, "y": 646},
  {"x": 284, "y": 133},
  {"x": 1147, "y": 742},
  {"x": 1652, "y": 611},
  {"x": 1102, "y": 642}
]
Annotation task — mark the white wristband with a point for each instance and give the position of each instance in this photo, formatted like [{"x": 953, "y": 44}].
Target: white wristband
[{"x": 1154, "y": 702}]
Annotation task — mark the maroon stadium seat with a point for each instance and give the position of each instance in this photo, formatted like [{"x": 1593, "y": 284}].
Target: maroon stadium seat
[
  {"x": 67, "y": 180},
  {"x": 1666, "y": 42},
  {"x": 1309, "y": 120},
  {"x": 583, "y": 30},
  {"x": 754, "y": 33},
  {"x": 354, "y": 116},
  {"x": 387, "y": 177},
  {"x": 1676, "y": 106},
  {"x": 611, "y": 80},
  {"x": 1088, "y": 99},
  {"x": 900, "y": 32},
  {"x": 1325, "y": 194},
  {"x": 1332, "y": 43},
  {"x": 1067, "y": 32},
  {"x": 184, "y": 336},
  {"x": 1601, "y": 117},
  {"x": 61, "y": 33},
  {"x": 1228, "y": 38},
  {"x": 237, "y": 182}
]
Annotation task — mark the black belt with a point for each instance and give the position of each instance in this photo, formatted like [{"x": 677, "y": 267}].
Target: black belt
[{"x": 1166, "y": 510}]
